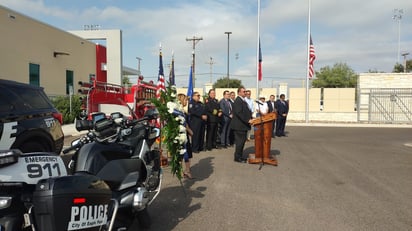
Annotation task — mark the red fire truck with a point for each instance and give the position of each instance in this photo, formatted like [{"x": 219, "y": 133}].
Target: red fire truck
[{"x": 101, "y": 94}]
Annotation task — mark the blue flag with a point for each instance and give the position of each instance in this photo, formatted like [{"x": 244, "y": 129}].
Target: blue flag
[{"x": 190, "y": 86}]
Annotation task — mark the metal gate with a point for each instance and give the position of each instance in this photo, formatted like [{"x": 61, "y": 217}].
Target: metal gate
[{"x": 385, "y": 105}]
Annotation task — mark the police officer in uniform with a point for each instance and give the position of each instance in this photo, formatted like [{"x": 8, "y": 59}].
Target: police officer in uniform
[
  {"x": 197, "y": 122},
  {"x": 213, "y": 113}
]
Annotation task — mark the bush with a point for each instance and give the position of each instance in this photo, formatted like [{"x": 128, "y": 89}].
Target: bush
[{"x": 62, "y": 103}]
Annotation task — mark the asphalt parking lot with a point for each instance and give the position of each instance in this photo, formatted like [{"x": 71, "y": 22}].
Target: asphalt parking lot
[{"x": 328, "y": 178}]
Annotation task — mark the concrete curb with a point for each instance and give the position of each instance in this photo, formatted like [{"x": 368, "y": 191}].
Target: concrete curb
[{"x": 70, "y": 130}]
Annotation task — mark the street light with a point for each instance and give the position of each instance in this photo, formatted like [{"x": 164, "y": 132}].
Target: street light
[
  {"x": 228, "y": 34},
  {"x": 397, "y": 16},
  {"x": 404, "y": 58}
]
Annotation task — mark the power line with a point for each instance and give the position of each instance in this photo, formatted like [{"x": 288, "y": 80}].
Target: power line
[
  {"x": 194, "y": 41},
  {"x": 211, "y": 68}
]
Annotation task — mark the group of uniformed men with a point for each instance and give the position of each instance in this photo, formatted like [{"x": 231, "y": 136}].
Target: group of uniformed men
[{"x": 210, "y": 119}]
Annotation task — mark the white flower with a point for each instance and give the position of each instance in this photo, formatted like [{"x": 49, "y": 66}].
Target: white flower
[
  {"x": 170, "y": 107},
  {"x": 181, "y": 118},
  {"x": 182, "y": 129},
  {"x": 181, "y": 138},
  {"x": 182, "y": 151},
  {"x": 173, "y": 94}
]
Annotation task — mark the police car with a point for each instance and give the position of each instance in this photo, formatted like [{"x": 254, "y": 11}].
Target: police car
[{"x": 28, "y": 120}]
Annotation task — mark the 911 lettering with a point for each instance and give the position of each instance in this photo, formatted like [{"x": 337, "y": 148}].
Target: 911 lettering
[
  {"x": 7, "y": 138},
  {"x": 87, "y": 216},
  {"x": 49, "y": 122},
  {"x": 40, "y": 170}
]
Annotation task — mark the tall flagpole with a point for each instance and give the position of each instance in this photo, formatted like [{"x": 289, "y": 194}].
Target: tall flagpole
[
  {"x": 257, "y": 50},
  {"x": 307, "y": 70}
]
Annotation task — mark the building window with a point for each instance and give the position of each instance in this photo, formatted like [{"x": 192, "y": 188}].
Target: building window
[
  {"x": 34, "y": 74},
  {"x": 69, "y": 81}
]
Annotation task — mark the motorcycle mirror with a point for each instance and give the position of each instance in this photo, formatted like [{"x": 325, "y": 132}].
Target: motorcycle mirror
[
  {"x": 116, "y": 115},
  {"x": 98, "y": 116}
]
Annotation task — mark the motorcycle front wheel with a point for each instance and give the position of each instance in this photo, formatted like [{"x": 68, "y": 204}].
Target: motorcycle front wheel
[{"x": 144, "y": 218}]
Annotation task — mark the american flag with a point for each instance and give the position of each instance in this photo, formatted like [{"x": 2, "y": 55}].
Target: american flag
[
  {"x": 161, "y": 78},
  {"x": 312, "y": 58}
]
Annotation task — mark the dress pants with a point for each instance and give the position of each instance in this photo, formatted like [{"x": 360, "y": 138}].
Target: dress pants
[
  {"x": 224, "y": 135},
  {"x": 280, "y": 125},
  {"x": 211, "y": 134},
  {"x": 240, "y": 139}
]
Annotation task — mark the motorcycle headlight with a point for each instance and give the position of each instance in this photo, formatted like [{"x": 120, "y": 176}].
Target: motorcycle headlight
[
  {"x": 154, "y": 133},
  {"x": 9, "y": 156},
  {"x": 5, "y": 202}
]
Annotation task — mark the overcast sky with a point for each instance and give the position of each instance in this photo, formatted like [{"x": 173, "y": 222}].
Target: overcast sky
[{"x": 362, "y": 34}]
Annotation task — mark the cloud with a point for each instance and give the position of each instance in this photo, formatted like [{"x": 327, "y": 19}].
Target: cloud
[{"x": 362, "y": 34}]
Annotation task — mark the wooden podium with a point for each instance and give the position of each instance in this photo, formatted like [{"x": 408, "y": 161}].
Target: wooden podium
[{"x": 263, "y": 129}]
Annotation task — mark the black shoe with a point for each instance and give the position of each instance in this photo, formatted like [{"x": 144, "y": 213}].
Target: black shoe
[{"x": 240, "y": 160}]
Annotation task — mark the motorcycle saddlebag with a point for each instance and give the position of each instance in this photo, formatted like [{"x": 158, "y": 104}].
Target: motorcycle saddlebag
[{"x": 77, "y": 202}]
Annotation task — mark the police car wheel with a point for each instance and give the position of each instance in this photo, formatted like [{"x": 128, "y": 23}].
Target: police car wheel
[{"x": 33, "y": 147}]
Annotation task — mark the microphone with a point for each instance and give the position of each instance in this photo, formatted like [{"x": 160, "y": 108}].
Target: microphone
[{"x": 258, "y": 102}]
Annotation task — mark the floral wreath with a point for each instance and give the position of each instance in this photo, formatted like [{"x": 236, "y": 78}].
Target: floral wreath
[{"x": 173, "y": 127}]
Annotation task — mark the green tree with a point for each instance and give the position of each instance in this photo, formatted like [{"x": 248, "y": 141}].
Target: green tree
[
  {"x": 62, "y": 103},
  {"x": 409, "y": 65},
  {"x": 398, "y": 68},
  {"x": 126, "y": 80},
  {"x": 227, "y": 83},
  {"x": 338, "y": 76}
]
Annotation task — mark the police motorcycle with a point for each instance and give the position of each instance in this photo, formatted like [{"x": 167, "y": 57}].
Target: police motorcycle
[
  {"x": 106, "y": 192},
  {"x": 119, "y": 151},
  {"x": 37, "y": 194}
]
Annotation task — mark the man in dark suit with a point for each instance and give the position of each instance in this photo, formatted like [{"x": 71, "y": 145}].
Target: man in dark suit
[
  {"x": 271, "y": 104},
  {"x": 231, "y": 134},
  {"x": 226, "y": 107},
  {"x": 240, "y": 124},
  {"x": 283, "y": 108},
  {"x": 271, "y": 108}
]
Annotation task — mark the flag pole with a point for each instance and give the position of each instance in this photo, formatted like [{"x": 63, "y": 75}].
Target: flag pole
[
  {"x": 307, "y": 70},
  {"x": 257, "y": 50}
]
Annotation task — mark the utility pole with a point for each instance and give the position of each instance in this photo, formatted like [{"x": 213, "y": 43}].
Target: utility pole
[
  {"x": 211, "y": 68},
  {"x": 228, "y": 34},
  {"x": 397, "y": 16},
  {"x": 138, "y": 66},
  {"x": 194, "y": 41}
]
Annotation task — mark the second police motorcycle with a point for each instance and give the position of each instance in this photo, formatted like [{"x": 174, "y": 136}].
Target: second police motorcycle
[{"x": 120, "y": 152}]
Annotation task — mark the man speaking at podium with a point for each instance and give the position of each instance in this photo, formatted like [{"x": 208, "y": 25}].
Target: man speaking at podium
[{"x": 240, "y": 124}]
